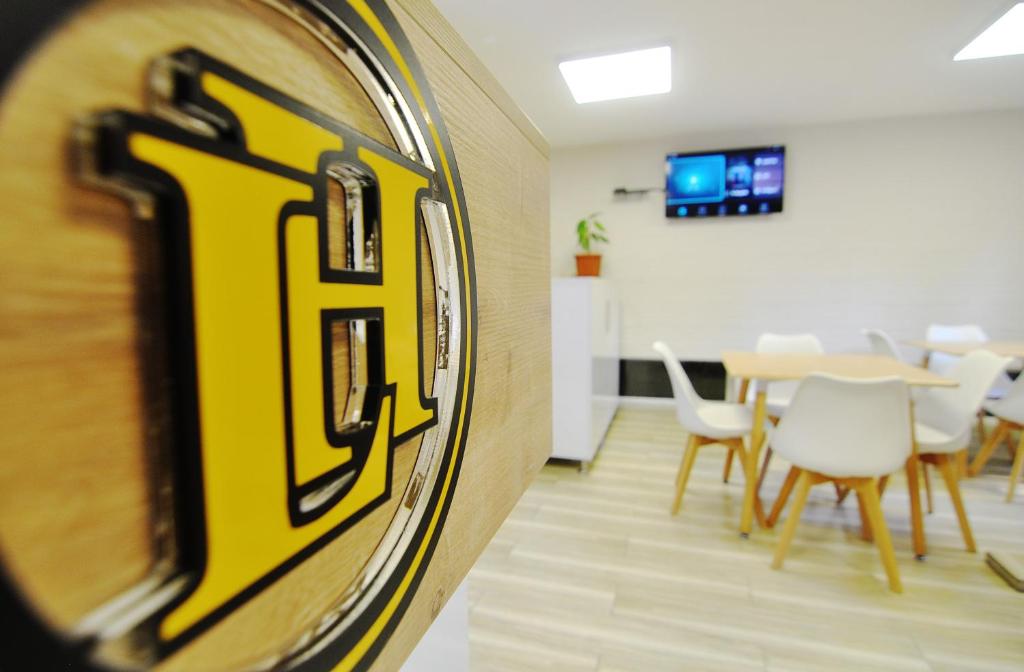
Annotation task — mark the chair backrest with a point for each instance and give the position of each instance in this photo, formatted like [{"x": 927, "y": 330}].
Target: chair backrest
[
  {"x": 955, "y": 332},
  {"x": 807, "y": 344},
  {"x": 882, "y": 343},
  {"x": 846, "y": 427},
  {"x": 687, "y": 399},
  {"x": 940, "y": 362},
  {"x": 1011, "y": 407},
  {"x": 952, "y": 409},
  {"x": 793, "y": 344}
]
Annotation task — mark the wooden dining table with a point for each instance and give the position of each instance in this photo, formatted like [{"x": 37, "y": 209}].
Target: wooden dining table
[
  {"x": 765, "y": 368},
  {"x": 960, "y": 348}
]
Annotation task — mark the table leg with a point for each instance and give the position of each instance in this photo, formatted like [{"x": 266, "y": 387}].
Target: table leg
[
  {"x": 756, "y": 439},
  {"x": 914, "y": 488}
]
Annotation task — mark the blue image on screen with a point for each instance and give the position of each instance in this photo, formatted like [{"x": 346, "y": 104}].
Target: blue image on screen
[
  {"x": 696, "y": 179},
  {"x": 739, "y": 177}
]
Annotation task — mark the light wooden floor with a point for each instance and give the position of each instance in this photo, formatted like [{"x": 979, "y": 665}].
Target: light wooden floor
[{"x": 590, "y": 572}]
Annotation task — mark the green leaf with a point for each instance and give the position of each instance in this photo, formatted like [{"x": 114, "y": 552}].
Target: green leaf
[{"x": 589, "y": 231}]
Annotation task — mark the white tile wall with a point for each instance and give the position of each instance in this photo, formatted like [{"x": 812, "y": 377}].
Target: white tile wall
[{"x": 890, "y": 224}]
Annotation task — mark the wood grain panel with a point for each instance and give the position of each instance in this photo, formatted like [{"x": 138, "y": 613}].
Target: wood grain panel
[
  {"x": 76, "y": 336},
  {"x": 505, "y": 177},
  {"x": 81, "y": 388}
]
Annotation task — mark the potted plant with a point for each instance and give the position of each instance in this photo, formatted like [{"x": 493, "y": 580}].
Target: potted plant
[{"x": 588, "y": 232}]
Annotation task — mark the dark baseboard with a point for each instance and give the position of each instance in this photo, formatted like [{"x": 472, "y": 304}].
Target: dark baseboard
[{"x": 648, "y": 378}]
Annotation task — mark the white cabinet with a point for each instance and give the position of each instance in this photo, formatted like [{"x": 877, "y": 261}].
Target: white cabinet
[{"x": 585, "y": 366}]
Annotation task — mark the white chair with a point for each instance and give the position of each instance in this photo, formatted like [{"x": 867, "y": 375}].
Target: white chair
[
  {"x": 850, "y": 432},
  {"x": 943, "y": 418},
  {"x": 939, "y": 362},
  {"x": 1010, "y": 412},
  {"x": 882, "y": 344},
  {"x": 706, "y": 421},
  {"x": 778, "y": 394}
]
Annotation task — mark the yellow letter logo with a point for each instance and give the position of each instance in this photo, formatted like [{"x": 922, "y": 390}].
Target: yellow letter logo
[
  {"x": 265, "y": 299},
  {"x": 284, "y": 230}
]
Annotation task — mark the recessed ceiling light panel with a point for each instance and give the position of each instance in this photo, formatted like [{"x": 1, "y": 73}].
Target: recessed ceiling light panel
[
  {"x": 627, "y": 75},
  {"x": 1005, "y": 37}
]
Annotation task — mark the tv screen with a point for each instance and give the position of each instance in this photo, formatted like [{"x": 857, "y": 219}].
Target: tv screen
[{"x": 727, "y": 182}]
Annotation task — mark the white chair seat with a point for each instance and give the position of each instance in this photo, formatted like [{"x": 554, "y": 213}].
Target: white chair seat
[
  {"x": 724, "y": 420},
  {"x": 992, "y": 407},
  {"x": 711, "y": 419},
  {"x": 931, "y": 440},
  {"x": 1011, "y": 406}
]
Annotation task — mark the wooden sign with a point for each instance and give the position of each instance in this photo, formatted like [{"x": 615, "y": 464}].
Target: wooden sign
[{"x": 275, "y": 341}]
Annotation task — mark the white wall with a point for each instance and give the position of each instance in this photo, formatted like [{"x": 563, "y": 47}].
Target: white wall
[
  {"x": 890, "y": 224},
  {"x": 445, "y": 645}
]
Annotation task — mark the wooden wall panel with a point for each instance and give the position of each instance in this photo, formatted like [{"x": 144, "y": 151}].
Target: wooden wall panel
[
  {"x": 504, "y": 170},
  {"x": 76, "y": 397}
]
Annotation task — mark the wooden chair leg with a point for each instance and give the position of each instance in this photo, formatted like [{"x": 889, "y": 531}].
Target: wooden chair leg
[
  {"x": 960, "y": 462},
  {"x": 684, "y": 471},
  {"x": 728, "y": 465},
  {"x": 916, "y": 519},
  {"x": 764, "y": 467},
  {"x": 841, "y": 494},
  {"x": 927, "y": 487},
  {"x": 988, "y": 448},
  {"x": 948, "y": 469},
  {"x": 868, "y": 494},
  {"x": 882, "y": 482},
  {"x": 741, "y": 451},
  {"x": 865, "y": 519},
  {"x": 780, "y": 501},
  {"x": 803, "y": 487},
  {"x": 981, "y": 426},
  {"x": 1018, "y": 464}
]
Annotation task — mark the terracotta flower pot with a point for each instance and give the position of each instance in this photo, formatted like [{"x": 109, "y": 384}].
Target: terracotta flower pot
[{"x": 588, "y": 265}]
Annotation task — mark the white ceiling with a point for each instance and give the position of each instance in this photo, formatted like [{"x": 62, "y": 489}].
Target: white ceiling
[{"x": 742, "y": 63}]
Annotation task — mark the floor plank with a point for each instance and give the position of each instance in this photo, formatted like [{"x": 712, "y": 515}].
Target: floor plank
[{"x": 591, "y": 572}]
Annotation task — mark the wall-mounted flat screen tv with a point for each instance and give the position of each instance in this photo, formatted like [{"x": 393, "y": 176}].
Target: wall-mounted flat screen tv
[{"x": 727, "y": 182}]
